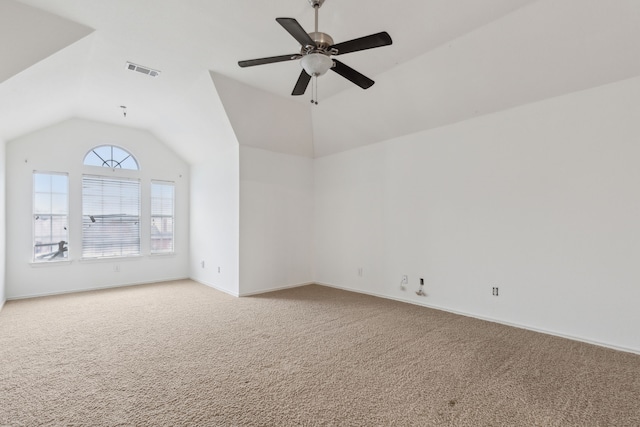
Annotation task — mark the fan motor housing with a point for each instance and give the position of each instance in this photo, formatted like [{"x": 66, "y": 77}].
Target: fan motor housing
[{"x": 323, "y": 40}]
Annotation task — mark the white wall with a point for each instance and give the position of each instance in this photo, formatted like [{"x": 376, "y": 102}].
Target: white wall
[
  {"x": 2, "y": 222},
  {"x": 262, "y": 230},
  {"x": 215, "y": 220},
  {"x": 61, "y": 148},
  {"x": 541, "y": 201},
  {"x": 276, "y": 220}
]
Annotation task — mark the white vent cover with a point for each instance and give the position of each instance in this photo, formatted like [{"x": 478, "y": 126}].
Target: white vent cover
[{"x": 144, "y": 70}]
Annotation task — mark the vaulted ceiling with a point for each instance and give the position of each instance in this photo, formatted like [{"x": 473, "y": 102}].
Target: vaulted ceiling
[{"x": 450, "y": 60}]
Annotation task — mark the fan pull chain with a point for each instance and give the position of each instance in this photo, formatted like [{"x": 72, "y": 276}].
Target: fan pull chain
[{"x": 314, "y": 90}]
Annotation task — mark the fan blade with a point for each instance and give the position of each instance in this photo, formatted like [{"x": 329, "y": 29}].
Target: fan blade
[
  {"x": 301, "y": 84},
  {"x": 296, "y": 30},
  {"x": 363, "y": 43},
  {"x": 350, "y": 74},
  {"x": 269, "y": 60}
]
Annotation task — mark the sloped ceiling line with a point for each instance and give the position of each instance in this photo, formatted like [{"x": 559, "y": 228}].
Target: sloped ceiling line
[
  {"x": 450, "y": 61},
  {"x": 29, "y": 35}
]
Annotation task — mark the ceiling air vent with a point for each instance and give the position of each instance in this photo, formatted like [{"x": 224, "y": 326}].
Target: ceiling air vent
[{"x": 144, "y": 70}]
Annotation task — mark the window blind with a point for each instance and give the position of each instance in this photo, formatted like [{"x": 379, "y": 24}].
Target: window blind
[{"x": 110, "y": 217}]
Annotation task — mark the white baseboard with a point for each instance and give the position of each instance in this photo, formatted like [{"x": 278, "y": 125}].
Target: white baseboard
[
  {"x": 279, "y": 288},
  {"x": 345, "y": 288},
  {"x": 247, "y": 294},
  {"x": 490, "y": 319},
  {"x": 2, "y": 304},
  {"x": 97, "y": 288},
  {"x": 216, "y": 287}
]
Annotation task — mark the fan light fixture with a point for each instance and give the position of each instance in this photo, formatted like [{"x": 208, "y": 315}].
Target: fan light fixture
[{"x": 316, "y": 64}]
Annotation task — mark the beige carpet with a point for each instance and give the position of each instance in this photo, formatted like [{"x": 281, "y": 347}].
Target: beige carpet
[{"x": 184, "y": 354}]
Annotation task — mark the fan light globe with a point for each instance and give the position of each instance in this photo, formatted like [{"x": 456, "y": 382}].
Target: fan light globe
[{"x": 316, "y": 64}]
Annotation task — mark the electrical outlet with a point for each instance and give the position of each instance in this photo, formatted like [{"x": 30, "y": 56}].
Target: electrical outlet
[
  {"x": 218, "y": 269},
  {"x": 495, "y": 291},
  {"x": 405, "y": 279},
  {"x": 421, "y": 281},
  {"x": 360, "y": 271},
  {"x": 202, "y": 264}
]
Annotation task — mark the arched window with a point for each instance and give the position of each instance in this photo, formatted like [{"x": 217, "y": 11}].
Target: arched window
[
  {"x": 110, "y": 205},
  {"x": 110, "y": 156}
]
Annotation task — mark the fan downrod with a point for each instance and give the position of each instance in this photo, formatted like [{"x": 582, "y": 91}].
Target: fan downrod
[{"x": 323, "y": 40}]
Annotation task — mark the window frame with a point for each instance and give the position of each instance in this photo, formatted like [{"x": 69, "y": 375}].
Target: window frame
[
  {"x": 152, "y": 215},
  {"x": 83, "y": 248},
  {"x": 62, "y": 249},
  {"x": 108, "y": 163}
]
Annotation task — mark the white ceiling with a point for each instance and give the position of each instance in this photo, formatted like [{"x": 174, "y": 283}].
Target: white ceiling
[{"x": 451, "y": 60}]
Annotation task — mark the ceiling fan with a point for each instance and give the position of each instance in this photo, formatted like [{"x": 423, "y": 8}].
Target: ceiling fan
[{"x": 317, "y": 51}]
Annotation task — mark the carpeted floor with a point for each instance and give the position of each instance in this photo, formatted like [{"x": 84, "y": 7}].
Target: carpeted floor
[{"x": 181, "y": 353}]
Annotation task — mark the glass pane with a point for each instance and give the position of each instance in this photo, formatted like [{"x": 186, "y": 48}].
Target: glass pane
[
  {"x": 118, "y": 153},
  {"x": 162, "y": 199},
  {"x": 41, "y": 183},
  {"x": 59, "y": 184},
  {"x": 42, "y": 228},
  {"x": 167, "y": 207},
  {"x": 103, "y": 152},
  {"x": 130, "y": 163},
  {"x": 92, "y": 160},
  {"x": 50, "y": 237},
  {"x": 42, "y": 203},
  {"x": 161, "y": 235},
  {"x": 59, "y": 204},
  {"x": 167, "y": 191}
]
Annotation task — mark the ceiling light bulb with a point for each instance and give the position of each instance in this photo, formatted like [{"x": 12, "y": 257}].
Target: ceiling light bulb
[{"x": 316, "y": 64}]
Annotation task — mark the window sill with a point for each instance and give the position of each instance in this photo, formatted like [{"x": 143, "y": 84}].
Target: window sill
[
  {"x": 49, "y": 263},
  {"x": 111, "y": 259},
  {"x": 43, "y": 264},
  {"x": 163, "y": 255}
]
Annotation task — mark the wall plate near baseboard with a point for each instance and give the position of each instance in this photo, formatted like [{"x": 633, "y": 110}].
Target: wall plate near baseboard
[{"x": 491, "y": 319}]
